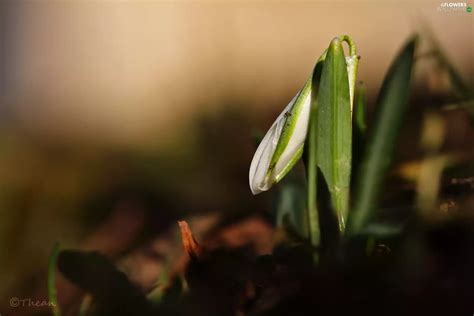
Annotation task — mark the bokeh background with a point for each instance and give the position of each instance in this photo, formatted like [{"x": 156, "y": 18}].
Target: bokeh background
[{"x": 119, "y": 117}]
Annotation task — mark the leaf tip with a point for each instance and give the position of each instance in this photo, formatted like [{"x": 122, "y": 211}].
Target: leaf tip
[
  {"x": 335, "y": 43},
  {"x": 190, "y": 244}
]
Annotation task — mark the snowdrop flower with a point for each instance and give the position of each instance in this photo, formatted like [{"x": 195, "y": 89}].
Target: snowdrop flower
[{"x": 283, "y": 144}]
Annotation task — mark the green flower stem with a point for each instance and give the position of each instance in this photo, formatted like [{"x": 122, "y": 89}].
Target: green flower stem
[
  {"x": 311, "y": 169},
  {"x": 390, "y": 112},
  {"x": 311, "y": 162},
  {"x": 352, "y": 65},
  {"x": 350, "y": 42}
]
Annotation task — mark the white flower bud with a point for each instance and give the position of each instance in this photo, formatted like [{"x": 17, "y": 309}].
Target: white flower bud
[{"x": 283, "y": 144}]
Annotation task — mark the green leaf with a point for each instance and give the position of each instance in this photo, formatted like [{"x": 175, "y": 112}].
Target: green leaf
[
  {"x": 359, "y": 127},
  {"x": 461, "y": 88},
  {"x": 52, "y": 293},
  {"x": 335, "y": 129},
  {"x": 311, "y": 161},
  {"x": 291, "y": 207},
  {"x": 390, "y": 111},
  {"x": 360, "y": 107}
]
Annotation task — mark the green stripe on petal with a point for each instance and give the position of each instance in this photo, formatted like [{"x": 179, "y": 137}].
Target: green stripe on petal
[
  {"x": 293, "y": 161},
  {"x": 292, "y": 117},
  {"x": 283, "y": 144}
]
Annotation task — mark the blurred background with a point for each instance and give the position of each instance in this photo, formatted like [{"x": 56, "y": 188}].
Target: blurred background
[{"x": 118, "y": 118}]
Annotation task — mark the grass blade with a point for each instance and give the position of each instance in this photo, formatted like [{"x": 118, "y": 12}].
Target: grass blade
[
  {"x": 460, "y": 87},
  {"x": 335, "y": 129},
  {"x": 52, "y": 293},
  {"x": 391, "y": 107},
  {"x": 311, "y": 162}
]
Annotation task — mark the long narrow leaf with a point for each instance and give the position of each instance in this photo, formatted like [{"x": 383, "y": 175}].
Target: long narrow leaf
[
  {"x": 390, "y": 111},
  {"x": 311, "y": 161},
  {"x": 360, "y": 108},
  {"x": 359, "y": 128},
  {"x": 52, "y": 293},
  {"x": 461, "y": 88},
  {"x": 291, "y": 207},
  {"x": 335, "y": 129}
]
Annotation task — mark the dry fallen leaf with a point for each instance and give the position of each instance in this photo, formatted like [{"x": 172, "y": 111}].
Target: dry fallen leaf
[{"x": 190, "y": 244}]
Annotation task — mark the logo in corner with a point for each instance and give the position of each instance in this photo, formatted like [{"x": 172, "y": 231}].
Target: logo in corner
[{"x": 454, "y": 7}]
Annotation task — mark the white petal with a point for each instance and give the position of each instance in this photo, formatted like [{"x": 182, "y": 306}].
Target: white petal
[
  {"x": 297, "y": 138},
  {"x": 262, "y": 157},
  {"x": 351, "y": 62}
]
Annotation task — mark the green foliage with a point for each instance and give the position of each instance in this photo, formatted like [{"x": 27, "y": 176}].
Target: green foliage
[
  {"x": 229, "y": 281},
  {"x": 360, "y": 109},
  {"x": 460, "y": 87},
  {"x": 391, "y": 108},
  {"x": 52, "y": 293},
  {"x": 335, "y": 129},
  {"x": 359, "y": 128},
  {"x": 291, "y": 208},
  {"x": 311, "y": 159}
]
